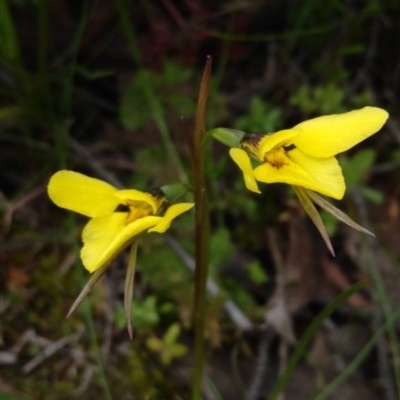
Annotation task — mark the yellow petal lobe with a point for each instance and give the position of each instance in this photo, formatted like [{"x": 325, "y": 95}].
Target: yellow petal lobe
[
  {"x": 129, "y": 196},
  {"x": 171, "y": 213},
  {"x": 277, "y": 139},
  {"x": 105, "y": 237},
  {"x": 322, "y": 175},
  {"x": 331, "y": 134},
  {"x": 242, "y": 160},
  {"x": 82, "y": 194}
]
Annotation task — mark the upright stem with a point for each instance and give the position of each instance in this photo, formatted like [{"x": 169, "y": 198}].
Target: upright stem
[{"x": 202, "y": 231}]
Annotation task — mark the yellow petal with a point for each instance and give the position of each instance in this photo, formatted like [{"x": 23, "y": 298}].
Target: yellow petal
[
  {"x": 136, "y": 195},
  {"x": 242, "y": 160},
  {"x": 322, "y": 175},
  {"x": 82, "y": 194},
  {"x": 171, "y": 213},
  {"x": 105, "y": 237},
  {"x": 277, "y": 139},
  {"x": 332, "y": 134}
]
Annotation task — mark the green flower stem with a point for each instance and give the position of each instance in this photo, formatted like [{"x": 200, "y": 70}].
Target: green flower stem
[
  {"x": 202, "y": 231},
  {"x": 302, "y": 344}
]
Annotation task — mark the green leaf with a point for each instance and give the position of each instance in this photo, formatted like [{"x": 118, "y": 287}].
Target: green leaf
[
  {"x": 172, "y": 334},
  {"x": 9, "y": 43},
  {"x": 228, "y": 137},
  {"x": 170, "y": 87},
  {"x": 303, "y": 99},
  {"x": 354, "y": 49},
  {"x": 261, "y": 118},
  {"x": 326, "y": 99},
  {"x": 145, "y": 314},
  {"x": 330, "y": 99},
  {"x": 93, "y": 74},
  {"x": 374, "y": 196},
  {"x": 257, "y": 273}
]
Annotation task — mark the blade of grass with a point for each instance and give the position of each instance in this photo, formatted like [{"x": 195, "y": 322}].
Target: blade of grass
[
  {"x": 236, "y": 373},
  {"x": 269, "y": 37},
  {"x": 42, "y": 48},
  {"x": 61, "y": 144},
  {"x": 300, "y": 348},
  {"x": 351, "y": 368},
  {"x": 151, "y": 97},
  {"x": 381, "y": 299},
  {"x": 61, "y": 132},
  {"x": 9, "y": 43}
]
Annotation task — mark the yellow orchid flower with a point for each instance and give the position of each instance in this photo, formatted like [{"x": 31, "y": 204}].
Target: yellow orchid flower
[
  {"x": 118, "y": 217},
  {"x": 304, "y": 156}
]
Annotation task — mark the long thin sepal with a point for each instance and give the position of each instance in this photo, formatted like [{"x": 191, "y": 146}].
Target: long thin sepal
[
  {"x": 312, "y": 212},
  {"x": 340, "y": 215},
  {"x": 88, "y": 287},
  {"x": 129, "y": 281}
]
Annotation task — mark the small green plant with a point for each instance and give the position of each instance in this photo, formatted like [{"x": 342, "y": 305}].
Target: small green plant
[
  {"x": 168, "y": 348},
  {"x": 261, "y": 117},
  {"x": 170, "y": 88},
  {"x": 145, "y": 315},
  {"x": 257, "y": 273},
  {"x": 326, "y": 99}
]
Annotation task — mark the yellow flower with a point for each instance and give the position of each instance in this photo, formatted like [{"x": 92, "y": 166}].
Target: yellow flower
[
  {"x": 304, "y": 155},
  {"x": 118, "y": 217}
]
